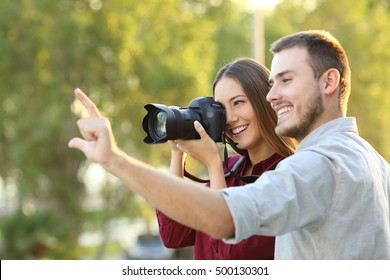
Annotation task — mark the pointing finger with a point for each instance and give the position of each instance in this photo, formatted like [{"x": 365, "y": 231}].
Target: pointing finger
[{"x": 88, "y": 104}]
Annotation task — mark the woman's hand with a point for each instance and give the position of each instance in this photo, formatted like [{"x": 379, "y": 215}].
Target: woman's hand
[{"x": 204, "y": 149}]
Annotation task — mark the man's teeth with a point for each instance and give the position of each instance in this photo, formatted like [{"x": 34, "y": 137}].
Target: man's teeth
[
  {"x": 284, "y": 110},
  {"x": 239, "y": 129}
]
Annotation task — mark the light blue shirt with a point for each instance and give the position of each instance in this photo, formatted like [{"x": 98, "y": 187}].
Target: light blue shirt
[{"x": 330, "y": 200}]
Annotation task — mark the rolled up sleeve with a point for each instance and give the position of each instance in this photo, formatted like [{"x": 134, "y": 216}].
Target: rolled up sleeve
[{"x": 281, "y": 200}]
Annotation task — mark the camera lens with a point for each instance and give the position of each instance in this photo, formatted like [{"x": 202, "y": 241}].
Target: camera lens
[
  {"x": 162, "y": 123},
  {"x": 158, "y": 123},
  {"x": 160, "y": 128}
]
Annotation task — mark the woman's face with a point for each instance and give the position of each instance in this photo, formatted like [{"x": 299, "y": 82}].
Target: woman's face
[{"x": 241, "y": 122}]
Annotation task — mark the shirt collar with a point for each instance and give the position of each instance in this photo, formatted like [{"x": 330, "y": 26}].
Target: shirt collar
[{"x": 329, "y": 128}]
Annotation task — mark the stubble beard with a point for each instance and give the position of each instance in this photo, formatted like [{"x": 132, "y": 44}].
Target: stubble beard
[{"x": 306, "y": 120}]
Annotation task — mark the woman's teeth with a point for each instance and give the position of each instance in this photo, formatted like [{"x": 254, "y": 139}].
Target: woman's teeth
[{"x": 239, "y": 129}]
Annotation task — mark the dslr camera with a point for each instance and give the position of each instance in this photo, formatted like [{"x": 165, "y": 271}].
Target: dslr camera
[{"x": 162, "y": 123}]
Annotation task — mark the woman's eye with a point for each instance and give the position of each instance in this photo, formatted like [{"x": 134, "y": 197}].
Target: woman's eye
[{"x": 286, "y": 80}]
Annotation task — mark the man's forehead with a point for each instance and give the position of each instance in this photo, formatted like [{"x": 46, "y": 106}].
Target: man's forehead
[{"x": 287, "y": 60}]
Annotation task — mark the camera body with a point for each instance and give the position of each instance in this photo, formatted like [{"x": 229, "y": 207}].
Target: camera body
[{"x": 162, "y": 123}]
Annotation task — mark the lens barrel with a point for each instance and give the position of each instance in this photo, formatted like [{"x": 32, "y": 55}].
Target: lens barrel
[{"x": 162, "y": 123}]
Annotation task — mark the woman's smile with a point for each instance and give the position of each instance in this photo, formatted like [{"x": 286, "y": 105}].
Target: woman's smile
[{"x": 239, "y": 129}]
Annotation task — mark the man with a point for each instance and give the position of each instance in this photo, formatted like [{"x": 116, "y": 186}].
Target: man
[{"x": 330, "y": 200}]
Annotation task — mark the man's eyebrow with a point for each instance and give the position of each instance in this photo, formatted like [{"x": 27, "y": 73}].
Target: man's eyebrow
[{"x": 279, "y": 75}]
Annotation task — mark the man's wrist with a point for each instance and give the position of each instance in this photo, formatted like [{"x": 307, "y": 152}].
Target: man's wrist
[{"x": 115, "y": 161}]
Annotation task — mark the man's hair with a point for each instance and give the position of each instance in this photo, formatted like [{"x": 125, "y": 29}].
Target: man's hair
[{"x": 325, "y": 52}]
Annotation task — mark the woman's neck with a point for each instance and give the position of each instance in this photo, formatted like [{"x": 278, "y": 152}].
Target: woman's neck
[{"x": 261, "y": 153}]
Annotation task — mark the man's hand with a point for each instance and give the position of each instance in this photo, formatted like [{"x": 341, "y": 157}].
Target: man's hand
[
  {"x": 174, "y": 196},
  {"x": 98, "y": 144}
]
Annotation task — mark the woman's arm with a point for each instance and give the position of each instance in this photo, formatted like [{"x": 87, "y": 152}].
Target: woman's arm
[
  {"x": 206, "y": 151},
  {"x": 177, "y": 160}
]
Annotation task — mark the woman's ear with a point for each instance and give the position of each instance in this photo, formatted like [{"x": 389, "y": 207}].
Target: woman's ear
[{"x": 330, "y": 81}]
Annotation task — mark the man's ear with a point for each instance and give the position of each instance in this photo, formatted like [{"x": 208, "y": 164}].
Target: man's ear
[{"x": 330, "y": 80}]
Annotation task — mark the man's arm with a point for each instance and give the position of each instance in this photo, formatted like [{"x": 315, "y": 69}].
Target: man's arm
[{"x": 186, "y": 202}]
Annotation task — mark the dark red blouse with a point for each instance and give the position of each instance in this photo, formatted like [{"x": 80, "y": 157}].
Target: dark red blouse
[{"x": 175, "y": 235}]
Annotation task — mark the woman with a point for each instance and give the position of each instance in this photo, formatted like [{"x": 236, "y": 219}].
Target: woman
[{"x": 241, "y": 87}]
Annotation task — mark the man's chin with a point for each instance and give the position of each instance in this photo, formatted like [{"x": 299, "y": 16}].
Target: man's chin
[
  {"x": 281, "y": 130},
  {"x": 286, "y": 132}
]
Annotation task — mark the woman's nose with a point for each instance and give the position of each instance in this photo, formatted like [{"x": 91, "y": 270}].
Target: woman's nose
[{"x": 231, "y": 117}]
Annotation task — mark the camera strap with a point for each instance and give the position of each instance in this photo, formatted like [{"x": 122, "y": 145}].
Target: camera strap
[{"x": 232, "y": 172}]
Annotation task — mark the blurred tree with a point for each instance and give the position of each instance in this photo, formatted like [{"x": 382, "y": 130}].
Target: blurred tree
[
  {"x": 34, "y": 120},
  {"x": 123, "y": 54},
  {"x": 31, "y": 234}
]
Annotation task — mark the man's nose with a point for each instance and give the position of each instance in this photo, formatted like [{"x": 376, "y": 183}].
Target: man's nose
[{"x": 272, "y": 94}]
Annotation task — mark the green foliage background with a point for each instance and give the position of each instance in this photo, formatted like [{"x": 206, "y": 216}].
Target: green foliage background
[{"x": 125, "y": 54}]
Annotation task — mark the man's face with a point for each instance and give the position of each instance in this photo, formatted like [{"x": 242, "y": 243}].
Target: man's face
[{"x": 295, "y": 94}]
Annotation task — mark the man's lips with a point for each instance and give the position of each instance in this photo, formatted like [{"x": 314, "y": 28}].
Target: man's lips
[{"x": 282, "y": 109}]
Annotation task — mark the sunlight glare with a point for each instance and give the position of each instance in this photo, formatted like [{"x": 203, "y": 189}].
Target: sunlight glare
[{"x": 262, "y": 4}]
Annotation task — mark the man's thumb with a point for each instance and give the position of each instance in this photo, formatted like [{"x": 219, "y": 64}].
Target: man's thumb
[{"x": 76, "y": 143}]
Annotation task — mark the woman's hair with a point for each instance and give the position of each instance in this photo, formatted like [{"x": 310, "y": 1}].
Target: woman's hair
[{"x": 253, "y": 78}]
